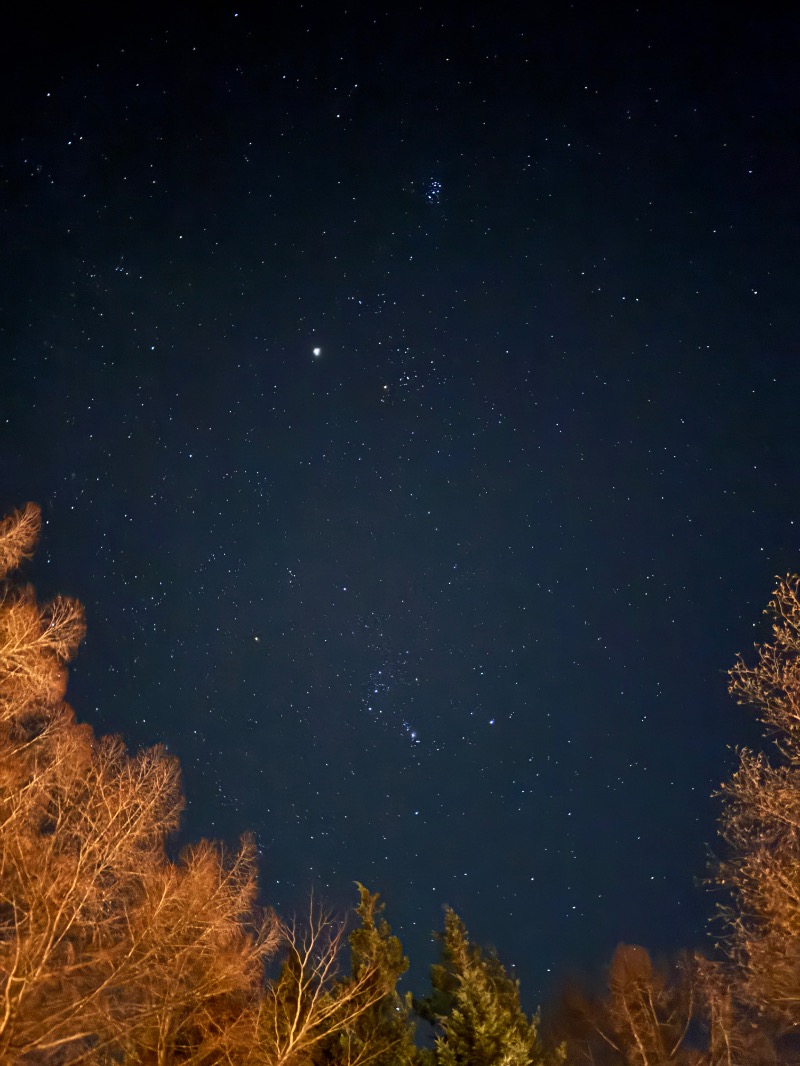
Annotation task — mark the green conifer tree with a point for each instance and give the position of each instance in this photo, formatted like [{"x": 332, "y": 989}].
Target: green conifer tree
[
  {"x": 476, "y": 1009},
  {"x": 383, "y": 1035}
]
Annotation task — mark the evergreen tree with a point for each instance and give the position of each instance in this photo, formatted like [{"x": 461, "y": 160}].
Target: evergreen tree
[
  {"x": 383, "y": 1034},
  {"x": 315, "y": 1013},
  {"x": 476, "y": 1009}
]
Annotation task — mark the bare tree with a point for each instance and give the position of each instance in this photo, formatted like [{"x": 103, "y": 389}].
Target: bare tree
[
  {"x": 734, "y": 1035},
  {"x": 311, "y": 999},
  {"x": 19, "y": 532},
  {"x": 194, "y": 961},
  {"x": 760, "y": 823},
  {"x": 650, "y": 1014},
  {"x": 107, "y": 946},
  {"x": 643, "y": 1021}
]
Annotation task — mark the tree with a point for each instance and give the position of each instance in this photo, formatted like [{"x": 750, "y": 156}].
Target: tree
[
  {"x": 760, "y": 824},
  {"x": 107, "y": 947},
  {"x": 734, "y": 1035},
  {"x": 476, "y": 1010},
  {"x": 196, "y": 958},
  {"x": 642, "y": 1021},
  {"x": 314, "y": 1012},
  {"x": 383, "y": 1035},
  {"x": 650, "y": 1010}
]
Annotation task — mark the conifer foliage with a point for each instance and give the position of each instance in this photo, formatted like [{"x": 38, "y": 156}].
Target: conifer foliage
[
  {"x": 383, "y": 1034},
  {"x": 314, "y": 1011},
  {"x": 476, "y": 1008}
]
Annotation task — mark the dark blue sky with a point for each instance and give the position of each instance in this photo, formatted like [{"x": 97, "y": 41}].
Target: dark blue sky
[{"x": 445, "y": 608}]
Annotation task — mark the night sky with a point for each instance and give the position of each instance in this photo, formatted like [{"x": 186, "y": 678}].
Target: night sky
[{"x": 412, "y": 399}]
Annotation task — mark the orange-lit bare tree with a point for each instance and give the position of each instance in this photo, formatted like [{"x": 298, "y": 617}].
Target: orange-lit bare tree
[
  {"x": 312, "y": 1000},
  {"x": 196, "y": 961},
  {"x": 650, "y": 1008},
  {"x": 761, "y": 825},
  {"x": 734, "y": 1036},
  {"x": 643, "y": 1021},
  {"x": 107, "y": 947}
]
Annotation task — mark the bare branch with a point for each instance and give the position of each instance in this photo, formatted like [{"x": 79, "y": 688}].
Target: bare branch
[
  {"x": 310, "y": 1000},
  {"x": 18, "y": 535}
]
